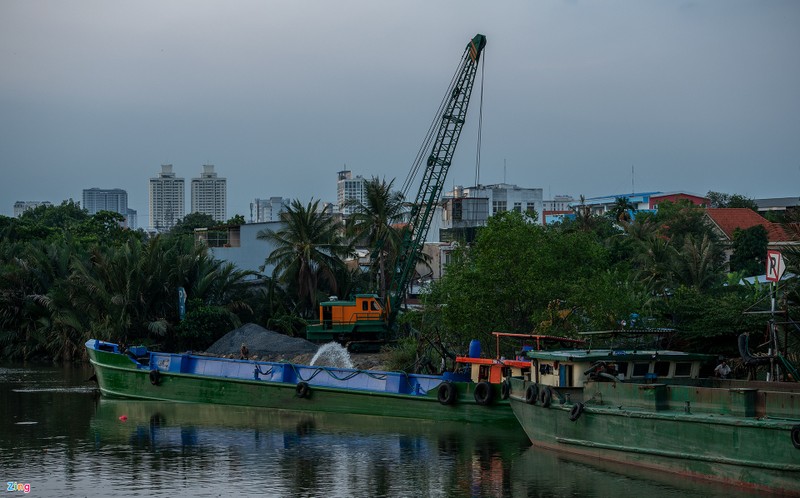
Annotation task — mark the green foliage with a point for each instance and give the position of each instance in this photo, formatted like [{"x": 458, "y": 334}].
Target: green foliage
[
  {"x": 711, "y": 322},
  {"x": 202, "y": 326},
  {"x": 402, "y": 356},
  {"x": 511, "y": 278},
  {"x": 721, "y": 200},
  {"x": 236, "y": 220},
  {"x": 55, "y": 294},
  {"x": 750, "y": 250},
  {"x": 191, "y": 221}
]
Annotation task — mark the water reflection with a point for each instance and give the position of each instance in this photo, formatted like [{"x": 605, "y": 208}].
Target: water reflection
[{"x": 301, "y": 453}]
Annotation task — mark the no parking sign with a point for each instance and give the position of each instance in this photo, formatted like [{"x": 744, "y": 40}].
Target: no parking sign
[{"x": 775, "y": 266}]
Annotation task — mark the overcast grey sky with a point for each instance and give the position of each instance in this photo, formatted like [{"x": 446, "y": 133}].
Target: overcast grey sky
[{"x": 280, "y": 95}]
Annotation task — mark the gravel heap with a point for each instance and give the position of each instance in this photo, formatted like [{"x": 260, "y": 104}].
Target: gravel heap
[{"x": 261, "y": 342}]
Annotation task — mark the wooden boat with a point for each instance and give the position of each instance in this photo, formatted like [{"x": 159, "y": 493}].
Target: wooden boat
[
  {"x": 653, "y": 409},
  {"x": 477, "y": 392}
]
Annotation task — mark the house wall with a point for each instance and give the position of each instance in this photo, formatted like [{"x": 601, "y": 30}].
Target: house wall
[
  {"x": 694, "y": 199},
  {"x": 252, "y": 252}
]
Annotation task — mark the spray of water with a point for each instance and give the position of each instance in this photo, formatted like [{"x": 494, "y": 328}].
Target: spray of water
[{"x": 332, "y": 354}]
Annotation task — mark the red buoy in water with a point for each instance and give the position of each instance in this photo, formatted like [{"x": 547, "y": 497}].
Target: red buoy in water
[{"x": 123, "y": 418}]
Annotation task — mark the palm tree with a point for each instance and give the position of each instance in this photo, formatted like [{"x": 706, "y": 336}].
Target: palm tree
[
  {"x": 656, "y": 262},
  {"x": 372, "y": 222},
  {"x": 36, "y": 315},
  {"x": 696, "y": 264},
  {"x": 309, "y": 250},
  {"x": 620, "y": 209},
  {"x": 583, "y": 215}
]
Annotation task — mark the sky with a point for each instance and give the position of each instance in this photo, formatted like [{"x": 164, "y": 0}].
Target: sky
[{"x": 578, "y": 97}]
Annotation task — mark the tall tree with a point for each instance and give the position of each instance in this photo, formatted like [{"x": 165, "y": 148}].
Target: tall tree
[
  {"x": 620, "y": 211},
  {"x": 309, "y": 250},
  {"x": 722, "y": 200},
  {"x": 372, "y": 222},
  {"x": 749, "y": 250}
]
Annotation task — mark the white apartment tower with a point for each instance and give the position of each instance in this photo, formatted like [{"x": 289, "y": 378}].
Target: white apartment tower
[
  {"x": 167, "y": 194},
  {"x": 209, "y": 194},
  {"x": 348, "y": 188},
  {"x": 264, "y": 210},
  {"x": 22, "y": 206}
]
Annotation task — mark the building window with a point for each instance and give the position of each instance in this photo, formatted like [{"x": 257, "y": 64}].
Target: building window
[{"x": 457, "y": 210}]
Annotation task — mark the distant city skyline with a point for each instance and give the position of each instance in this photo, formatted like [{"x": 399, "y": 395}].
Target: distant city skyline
[{"x": 694, "y": 96}]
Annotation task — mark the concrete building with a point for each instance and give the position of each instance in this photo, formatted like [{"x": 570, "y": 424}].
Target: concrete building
[
  {"x": 114, "y": 200},
  {"x": 347, "y": 189},
  {"x": 209, "y": 194},
  {"x": 558, "y": 203},
  {"x": 265, "y": 210},
  {"x": 505, "y": 197},
  {"x": 22, "y": 206},
  {"x": 167, "y": 199},
  {"x": 778, "y": 205},
  {"x": 465, "y": 209}
]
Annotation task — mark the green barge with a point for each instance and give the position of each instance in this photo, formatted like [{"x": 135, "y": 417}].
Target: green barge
[
  {"x": 137, "y": 373},
  {"x": 652, "y": 409}
]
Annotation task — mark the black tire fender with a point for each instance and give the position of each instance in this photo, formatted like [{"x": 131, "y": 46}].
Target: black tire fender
[
  {"x": 796, "y": 436},
  {"x": 302, "y": 390},
  {"x": 576, "y": 411},
  {"x": 155, "y": 377},
  {"x": 446, "y": 393},
  {"x": 505, "y": 389},
  {"x": 483, "y": 393},
  {"x": 531, "y": 394},
  {"x": 546, "y": 396}
]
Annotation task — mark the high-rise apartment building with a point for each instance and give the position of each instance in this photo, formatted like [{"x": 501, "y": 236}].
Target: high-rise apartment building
[
  {"x": 22, "y": 206},
  {"x": 264, "y": 210},
  {"x": 349, "y": 188},
  {"x": 167, "y": 194},
  {"x": 114, "y": 200},
  {"x": 209, "y": 194}
]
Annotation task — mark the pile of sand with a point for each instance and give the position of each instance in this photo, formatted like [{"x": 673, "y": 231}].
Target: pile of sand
[{"x": 261, "y": 342}]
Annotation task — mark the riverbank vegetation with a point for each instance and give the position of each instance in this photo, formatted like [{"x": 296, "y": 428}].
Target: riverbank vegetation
[{"x": 66, "y": 276}]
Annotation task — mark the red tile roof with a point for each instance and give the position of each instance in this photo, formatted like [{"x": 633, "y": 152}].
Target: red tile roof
[{"x": 729, "y": 219}]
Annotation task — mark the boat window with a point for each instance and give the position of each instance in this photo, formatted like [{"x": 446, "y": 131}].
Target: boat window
[
  {"x": 661, "y": 369},
  {"x": 374, "y": 306},
  {"x": 683, "y": 369},
  {"x": 622, "y": 368},
  {"x": 640, "y": 369},
  {"x": 364, "y": 306}
]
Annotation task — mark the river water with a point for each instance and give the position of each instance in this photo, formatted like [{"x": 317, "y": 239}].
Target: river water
[{"x": 60, "y": 438}]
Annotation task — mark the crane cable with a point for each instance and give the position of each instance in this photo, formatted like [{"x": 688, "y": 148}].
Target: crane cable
[
  {"x": 434, "y": 127},
  {"x": 480, "y": 128}
]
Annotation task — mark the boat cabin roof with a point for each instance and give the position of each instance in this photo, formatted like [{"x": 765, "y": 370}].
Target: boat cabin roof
[{"x": 592, "y": 355}]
